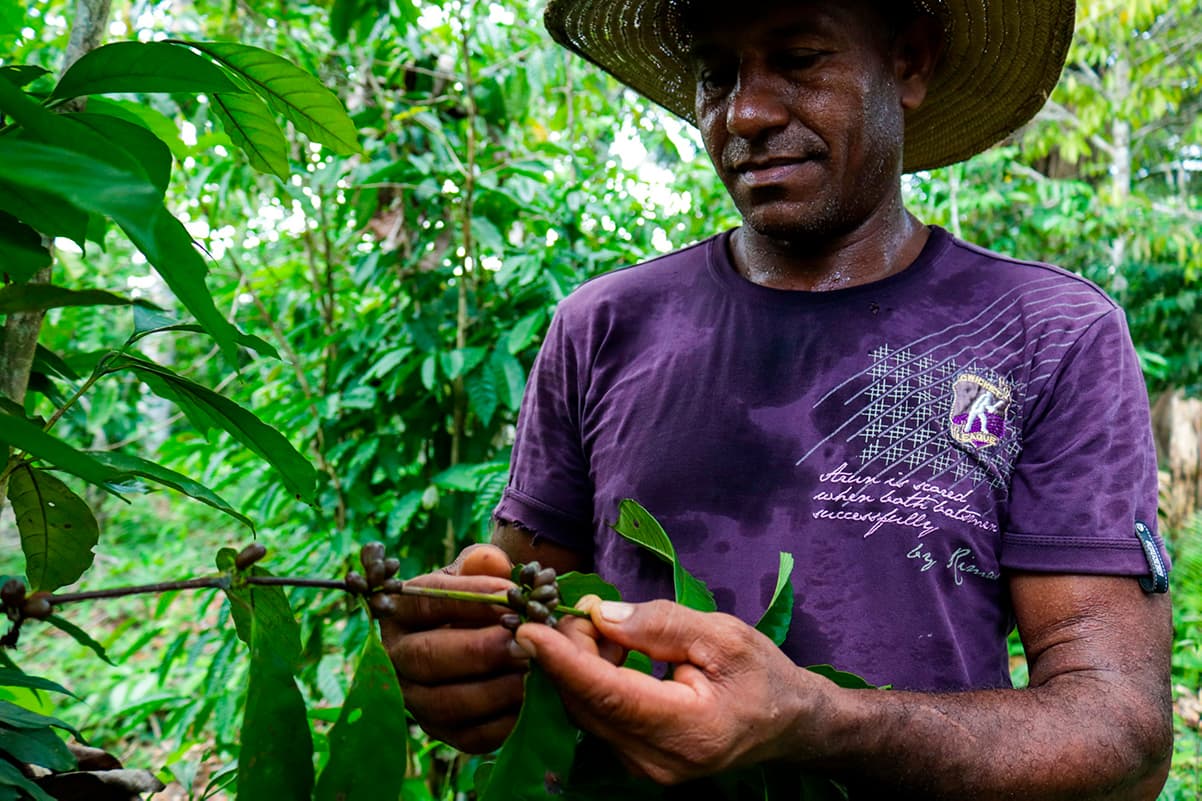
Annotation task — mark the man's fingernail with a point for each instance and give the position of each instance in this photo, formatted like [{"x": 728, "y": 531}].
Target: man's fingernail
[
  {"x": 517, "y": 651},
  {"x": 525, "y": 648},
  {"x": 615, "y": 611}
]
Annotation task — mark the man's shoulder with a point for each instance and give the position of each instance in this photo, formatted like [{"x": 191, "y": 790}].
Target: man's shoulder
[
  {"x": 641, "y": 285},
  {"x": 1027, "y": 278}
]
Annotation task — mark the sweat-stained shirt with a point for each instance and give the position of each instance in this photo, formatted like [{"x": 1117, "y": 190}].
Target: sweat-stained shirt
[{"x": 910, "y": 442}]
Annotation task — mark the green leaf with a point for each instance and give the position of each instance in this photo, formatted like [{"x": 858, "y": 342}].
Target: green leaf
[
  {"x": 18, "y": 717},
  {"x": 511, "y": 378},
  {"x": 21, "y": 250},
  {"x": 312, "y": 108},
  {"x": 637, "y": 525},
  {"x": 43, "y": 212},
  {"x": 169, "y": 248},
  {"x": 462, "y": 477},
  {"x": 36, "y": 747},
  {"x": 206, "y": 409},
  {"x": 30, "y": 297},
  {"x": 777, "y": 618},
  {"x": 11, "y": 677},
  {"x": 20, "y": 433},
  {"x": 574, "y": 586},
  {"x": 80, "y": 636},
  {"x": 148, "y": 149},
  {"x": 141, "y": 67},
  {"x": 525, "y": 331},
  {"x": 536, "y": 759},
  {"x": 22, "y": 74},
  {"x": 372, "y": 729},
  {"x": 58, "y": 530},
  {"x": 147, "y": 116},
  {"x": 276, "y": 757},
  {"x": 85, "y": 182},
  {"x": 149, "y": 321},
  {"x": 844, "y": 679},
  {"x": 249, "y": 124},
  {"x": 137, "y": 466},
  {"x": 50, "y": 363},
  {"x": 10, "y": 776}
]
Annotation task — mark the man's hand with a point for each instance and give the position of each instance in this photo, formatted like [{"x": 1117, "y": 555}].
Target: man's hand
[
  {"x": 460, "y": 671},
  {"x": 733, "y": 697}
]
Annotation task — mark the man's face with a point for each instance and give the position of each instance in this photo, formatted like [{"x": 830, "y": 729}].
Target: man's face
[{"x": 800, "y": 110}]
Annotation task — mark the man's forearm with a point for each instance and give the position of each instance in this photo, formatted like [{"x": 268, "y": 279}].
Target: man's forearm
[{"x": 1076, "y": 737}]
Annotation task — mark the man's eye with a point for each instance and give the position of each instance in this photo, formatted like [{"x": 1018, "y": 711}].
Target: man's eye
[
  {"x": 711, "y": 78},
  {"x": 801, "y": 59}
]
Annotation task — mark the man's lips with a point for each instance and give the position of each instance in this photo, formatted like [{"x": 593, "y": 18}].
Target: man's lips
[{"x": 770, "y": 171}]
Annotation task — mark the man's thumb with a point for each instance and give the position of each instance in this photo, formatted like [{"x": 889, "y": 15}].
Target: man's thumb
[
  {"x": 661, "y": 629},
  {"x": 481, "y": 560}
]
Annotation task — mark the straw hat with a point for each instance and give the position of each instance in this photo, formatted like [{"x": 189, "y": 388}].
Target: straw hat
[{"x": 1001, "y": 60}]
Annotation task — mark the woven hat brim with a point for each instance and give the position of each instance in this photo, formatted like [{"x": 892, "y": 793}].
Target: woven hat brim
[{"x": 1001, "y": 61}]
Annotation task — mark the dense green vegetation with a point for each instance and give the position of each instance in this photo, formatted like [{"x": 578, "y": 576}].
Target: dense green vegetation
[{"x": 405, "y": 277}]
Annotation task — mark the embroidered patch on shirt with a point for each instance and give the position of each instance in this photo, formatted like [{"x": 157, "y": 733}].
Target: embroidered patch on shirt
[{"x": 979, "y": 406}]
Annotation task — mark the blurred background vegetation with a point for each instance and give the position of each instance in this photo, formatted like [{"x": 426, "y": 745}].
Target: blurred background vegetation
[{"x": 407, "y": 289}]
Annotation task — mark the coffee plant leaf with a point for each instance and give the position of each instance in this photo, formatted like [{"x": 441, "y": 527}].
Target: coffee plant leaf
[
  {"x": 208, "y": 409},
  {"x": 777, "y": 618},
  {"x": 80, "y": 636},
  {"x": 842, "y": 678},
  {"x": 637, "y": 525},
  {"x": 58, "y": 530},
  {"x": 39, "y": 297},
  {"x": 43, "y": 212},
  {"x": 24, "y": 435},
  {"x": 574, "y": 586},
  {"x": 11, "y": 677},
  {"x": 143, "y": 468},
  {"x": 302, "y": 99},
  {"x": 18, "y": 717},
  {"x": 36, "y": 746},
  {"x": 535, "y": 762},
  {"x": 21, "y": 74},
  {"x": 372, "y": 729},
  {"x": 12, "y": 779},
  {"x": 115, "y": 133},
  {"x": 148, "y": 320},
  {"x": 141, "y": 67},
  {"x": 21, "y": 250},
  {"x": 249, "y": 124},
  {"x": 276, "y": 756}
]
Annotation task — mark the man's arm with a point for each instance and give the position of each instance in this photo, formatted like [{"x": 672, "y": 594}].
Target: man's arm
[{"x": 1095, "y": 722}]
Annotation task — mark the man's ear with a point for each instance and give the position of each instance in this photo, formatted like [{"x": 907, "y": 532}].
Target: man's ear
[{"x": 916, "y": 52}]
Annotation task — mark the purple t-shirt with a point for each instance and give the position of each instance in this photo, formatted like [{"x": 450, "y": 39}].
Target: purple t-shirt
[{"x": 909, "y": 441}]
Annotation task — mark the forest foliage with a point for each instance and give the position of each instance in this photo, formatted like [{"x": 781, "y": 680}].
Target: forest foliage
[{"x": 342, "y": 359}]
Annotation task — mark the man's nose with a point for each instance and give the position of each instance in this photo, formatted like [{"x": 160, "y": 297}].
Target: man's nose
[{"x": 757, "y": 103}]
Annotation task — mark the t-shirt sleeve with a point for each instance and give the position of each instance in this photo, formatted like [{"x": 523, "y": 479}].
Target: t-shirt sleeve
[
  {"x": 1086, "y": 476},
  {"x": 550, "y": 492}
]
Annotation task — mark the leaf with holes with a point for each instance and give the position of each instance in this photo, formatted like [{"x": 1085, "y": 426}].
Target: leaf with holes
[
  {"x": 637, "y": 525},
  {"x": 58, "y": 530},
  {"x": 302, "y": 99}
]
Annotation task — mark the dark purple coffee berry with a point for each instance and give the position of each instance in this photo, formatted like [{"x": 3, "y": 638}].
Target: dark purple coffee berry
[
  {"x": 38, "y": 606},
  {"x": 13, "y": 593},
  {"x": 370, "y": 553},
  {"x": 516, "y": 599},
  {"x": 544, "y": 577},
  {"x": 249, "y": 555},
  {"x": 537, "y": 612},
  {"x": 511, "y": 621},
  {"x": 545, "y": 593},
  {"x": 392, "y": 566},
  {"x": 529, "y": 571},
  {"x": 356, "y": 583},
  {"x": 393, "y": 585}
]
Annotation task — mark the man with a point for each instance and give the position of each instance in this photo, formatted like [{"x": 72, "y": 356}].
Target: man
[{"x": 948, "y": 441}]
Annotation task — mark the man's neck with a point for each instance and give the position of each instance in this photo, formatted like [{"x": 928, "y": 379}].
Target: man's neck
[{"x": 884, "y": 245}]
